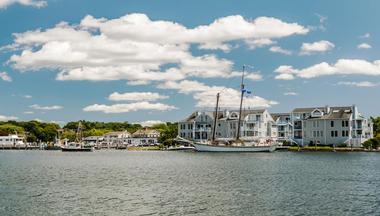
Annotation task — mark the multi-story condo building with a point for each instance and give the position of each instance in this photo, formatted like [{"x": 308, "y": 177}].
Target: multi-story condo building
[
  {"x": 304, "y": 126},
  {"x": 255, "y": 124},
  {"x": 284, "y": 125},
  {"x": 330, "y": 126}
]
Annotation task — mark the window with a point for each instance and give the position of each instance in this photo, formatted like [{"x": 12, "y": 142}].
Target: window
[
  {"x": 321, "y": 133},
  {"x": 314, "y": 134},
  {"x": 332, "y": 123},
  {"x": 336, "y": 133},
  {"x": 332, "y": 133}
]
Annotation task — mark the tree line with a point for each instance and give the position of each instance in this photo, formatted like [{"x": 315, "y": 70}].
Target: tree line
[{"x": 36, "y": 131}]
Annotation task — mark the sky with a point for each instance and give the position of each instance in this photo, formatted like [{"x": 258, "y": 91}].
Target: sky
[{"x": 150, "y": 61}]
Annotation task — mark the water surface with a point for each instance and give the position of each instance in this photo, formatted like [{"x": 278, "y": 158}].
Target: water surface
[{"x": 188, "y": 183}]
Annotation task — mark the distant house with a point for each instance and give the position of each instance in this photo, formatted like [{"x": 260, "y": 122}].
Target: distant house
[
  {"x": 144, "y": 137},
  {"x": 112, "y": 139},
  {"x": 12, "y": 141},
  {"x": 93, "y": 140}
]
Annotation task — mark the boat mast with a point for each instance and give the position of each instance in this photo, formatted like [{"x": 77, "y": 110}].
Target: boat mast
[
  {"x": 78, "y": 137},
  {"x": 215, "y": 118},
  {"x": 241, "y": 104}
]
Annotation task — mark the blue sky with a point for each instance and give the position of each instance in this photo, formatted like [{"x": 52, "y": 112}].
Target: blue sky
[{"x": 172, "y": 60}]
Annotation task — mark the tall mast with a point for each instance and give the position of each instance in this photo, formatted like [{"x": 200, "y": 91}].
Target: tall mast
[
  {"x": 241, "y": 103},
  {"x": 215, "y": 117}
]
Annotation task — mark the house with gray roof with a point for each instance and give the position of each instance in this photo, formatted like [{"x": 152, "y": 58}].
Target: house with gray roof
[
  {"x": 255, "y": 124},
  {"x": 330, "y": 126}
]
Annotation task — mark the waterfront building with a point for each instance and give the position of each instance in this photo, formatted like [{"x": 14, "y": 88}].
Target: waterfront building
[
  {"x": 284, "y": 125},
  {"x": 144, "y": 137},
  {"x": 330, "y": 126},
  {"x": 113, "y": 139},
  {"x": 303, "y": 126},
  {"x": 255, "y": 124},
  {"x": 12, "y": 141},
  {"x": 93, "y": 139}
]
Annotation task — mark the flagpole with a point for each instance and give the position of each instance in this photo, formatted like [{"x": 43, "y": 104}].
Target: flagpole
[{"x": 241, "y": 104}]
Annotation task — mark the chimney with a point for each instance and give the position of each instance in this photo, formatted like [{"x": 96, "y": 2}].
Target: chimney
[
  {"x": 354, "y": 111},
  {"x": 327, "y": 108}
]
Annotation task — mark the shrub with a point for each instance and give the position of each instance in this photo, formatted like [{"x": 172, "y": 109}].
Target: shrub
[
  {"x": 342, "y": 145},
  {"x": 373, "y": 143}
]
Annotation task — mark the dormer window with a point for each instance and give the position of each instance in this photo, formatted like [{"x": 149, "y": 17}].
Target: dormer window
[
  {"x": 234, "y": 115},
  {"x": 316, "y": 113}
]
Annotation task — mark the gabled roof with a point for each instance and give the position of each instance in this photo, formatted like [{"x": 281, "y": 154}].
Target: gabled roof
[
  {"x": 275, "y": 116},
  {"x": 308, "y": 109}
]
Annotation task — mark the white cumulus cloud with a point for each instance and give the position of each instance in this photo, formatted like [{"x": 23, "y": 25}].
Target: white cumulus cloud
[
  {"x": 5, "y": 77},
  {"x": 135, "y": 48},
  {"x": 316, "y": 47},
  {"x": 150, "y": 123},
  {"x": 7, "y": 118},
  {"x": 34, "y": 3},
  {"x": 205, "y": 95},
  {"x": 359, "y": 84},
  {"x": 290, "y": 93},
  {"x": 364, "y": 46},
  {"x": 136, "y": 96},
  {"x": 39, "y": 107},
  {"x": 341, "y": 67},
  {"x": 278, "y": 49},
  {"x": 124, "y": 108}
]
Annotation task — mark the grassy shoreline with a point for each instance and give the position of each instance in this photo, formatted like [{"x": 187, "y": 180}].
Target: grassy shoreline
[{"x": 327, "y": 149}]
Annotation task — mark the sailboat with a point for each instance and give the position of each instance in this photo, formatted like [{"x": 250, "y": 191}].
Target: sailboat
[
  {"x": 237, "y": 145},
  {"x": 78, "y": 145}
]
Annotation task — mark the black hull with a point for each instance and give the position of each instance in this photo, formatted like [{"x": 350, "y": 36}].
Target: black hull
[{"x": 77, "y": 149}]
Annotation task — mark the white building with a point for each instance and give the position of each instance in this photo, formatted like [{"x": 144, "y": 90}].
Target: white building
[
  {"x": 144, "y": 137},
  {"x": 255, "y": 124},
  {"x": 113, "y": 139},
  {"x": 284, "y": 126},
  {"x": 330, "y": 126},
  {"x": 12, "y": 141},
  {"x": 304, "y": 126}
]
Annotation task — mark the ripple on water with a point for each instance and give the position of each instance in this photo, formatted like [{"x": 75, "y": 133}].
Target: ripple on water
[{"x": 177, "y": 183}]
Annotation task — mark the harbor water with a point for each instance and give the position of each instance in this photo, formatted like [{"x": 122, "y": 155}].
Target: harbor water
[{"x": 111, "y": 182}]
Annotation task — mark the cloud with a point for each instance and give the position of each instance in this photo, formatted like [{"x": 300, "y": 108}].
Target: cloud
[
  {"x": 257, "y": 43},
  {"x": 254, "y": 76},
  {"x": 34, "y": 3},
  {"x": 28, "y": 112},
  {"x": 150, "y": 123},
  {"x": 366, "y": 35},
  {"x": 140, "y": 50},
  {"x": 7, "y": 118},
  {"x": 27, "y": 96},
  {"x": 205, "y": 95},
  {"x": 364, "y": 46},
  {"x": 277, "y": 49},
  {"x": 341, "y": 67},
  {"x": 136, "y": 96},
  {"x": 359, "y": 84},
  {"x": 316, "y": 47},
  {"x": 123, "y": 108},
  {"x": 39, "y": 107},
  {"x": 290, "y": 93},
  {"x": 5, "y": 77}
]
